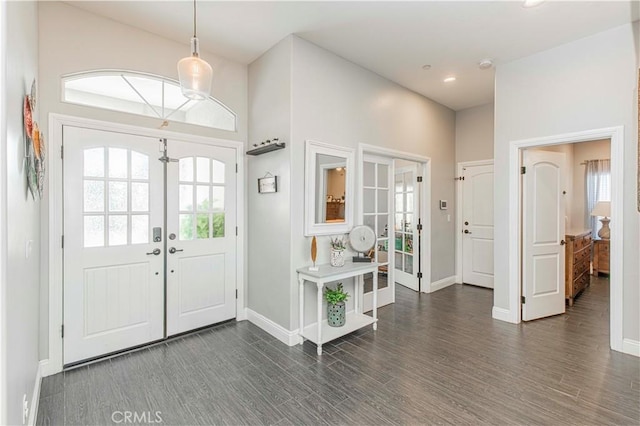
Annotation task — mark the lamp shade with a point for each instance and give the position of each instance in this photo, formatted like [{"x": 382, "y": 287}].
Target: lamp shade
[
  {"x": 195, "y": 75},
  {"x": 602, "y": 208}
]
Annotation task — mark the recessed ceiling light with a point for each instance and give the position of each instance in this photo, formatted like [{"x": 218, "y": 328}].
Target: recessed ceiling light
[
  {"x": 532, "y": 3},
  {"x": 426, "y": 67},
  {"x": 449, "y": 79},
  {"x": 485, "y": 64}
]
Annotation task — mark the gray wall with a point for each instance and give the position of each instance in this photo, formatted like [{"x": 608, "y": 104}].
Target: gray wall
[
  {"x": 269, "y": 231},
  {"x": 474, "y": 133},
  {"x": 22, "y": 286},
  {"x": 334, "y": 101},
  {"x": 563, "y": 90},
  {"x": 73, "y": 40}
]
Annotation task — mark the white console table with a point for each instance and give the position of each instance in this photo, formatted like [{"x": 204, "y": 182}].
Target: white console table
[{"x": 320, "y": 332}]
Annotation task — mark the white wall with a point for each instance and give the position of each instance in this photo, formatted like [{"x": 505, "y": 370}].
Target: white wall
[
  {"x": 21, "y": 289},
  {"x": 563, "y": 90},
  {"x": 73, "y": 40},
  {"x": 474, "y": 133},
  {"x": 596, "y": 150}
]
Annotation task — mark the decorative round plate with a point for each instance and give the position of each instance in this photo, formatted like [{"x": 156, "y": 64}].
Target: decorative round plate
[
  {"x": 362, "y": 238},
  {"x": 28, "y": 119}
]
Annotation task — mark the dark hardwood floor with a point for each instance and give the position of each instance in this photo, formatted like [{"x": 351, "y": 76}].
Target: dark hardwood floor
[{"x": 435, "y": 359}]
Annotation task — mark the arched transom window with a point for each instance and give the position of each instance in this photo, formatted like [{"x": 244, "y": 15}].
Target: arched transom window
[{"x": 144, "y": 94}]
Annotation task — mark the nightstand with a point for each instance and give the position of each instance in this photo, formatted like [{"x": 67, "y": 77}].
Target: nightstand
[{"x": 600, "y": 256}]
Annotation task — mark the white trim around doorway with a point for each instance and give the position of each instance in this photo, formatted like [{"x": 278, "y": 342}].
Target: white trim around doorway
[
  {"x": 458, "y": 227},
  {"x": 55, "y": 219},
  {"x": 616, "y": 135},
  {"x": 425, "y": 199}
]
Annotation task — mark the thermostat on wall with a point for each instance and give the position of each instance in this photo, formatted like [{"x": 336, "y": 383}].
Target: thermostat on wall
[{"x": 443, "y": 204}]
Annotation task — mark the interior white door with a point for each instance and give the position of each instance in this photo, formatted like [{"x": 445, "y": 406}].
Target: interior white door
[
  {"x": 113, "y": 271},
  {"x": 377, "y": 173},
  {"x": 477, "y": 225},
  {"x": 543, "y": 251},
  {"x": 201, "y": 224},
  {"x": 406, "y": 230}
]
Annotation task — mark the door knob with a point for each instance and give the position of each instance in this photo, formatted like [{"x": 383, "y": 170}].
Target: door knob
[
  {"x": 466, "y": 231},
  {"x": 466, "y": 223},
  {"x": 173, "y": 250},
  {"x": 563, "y": 242},
  {"x": 155, "y": 252}
]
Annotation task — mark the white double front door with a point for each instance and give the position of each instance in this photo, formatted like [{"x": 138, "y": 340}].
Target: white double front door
[{"x": 149, "y": 250}]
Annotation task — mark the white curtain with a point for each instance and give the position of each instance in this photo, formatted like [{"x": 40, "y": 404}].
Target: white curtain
[{"x": 597, "y": 188}]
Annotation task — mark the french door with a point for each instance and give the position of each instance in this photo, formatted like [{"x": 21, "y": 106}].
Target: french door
[
  {"x": 406, "y": 227},
  {"x": 377, "y": 173},
  {"x": 149, "y": 242}
]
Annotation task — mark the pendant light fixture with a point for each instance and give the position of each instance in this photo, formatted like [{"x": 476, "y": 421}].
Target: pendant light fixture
[{"x": 195, "y": 74}]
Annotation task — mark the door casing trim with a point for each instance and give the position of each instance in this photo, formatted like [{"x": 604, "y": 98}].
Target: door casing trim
[
  {"x": 616, "y": 135},
  {"x": 55, "y": 218}
]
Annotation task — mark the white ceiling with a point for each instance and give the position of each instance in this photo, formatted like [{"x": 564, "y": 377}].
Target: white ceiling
[{"x": 393, "y": 39}]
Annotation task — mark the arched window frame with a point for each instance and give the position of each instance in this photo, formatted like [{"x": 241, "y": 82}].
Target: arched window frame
[{"x": 130, "y": 73}]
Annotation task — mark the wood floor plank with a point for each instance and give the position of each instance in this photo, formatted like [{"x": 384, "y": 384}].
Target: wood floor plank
[{"x": 435, "y": 359}]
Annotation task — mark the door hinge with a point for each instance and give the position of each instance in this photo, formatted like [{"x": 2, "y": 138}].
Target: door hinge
[
  {"x": 419, "y": 178},
  {"x": 236, "y": 293},
  {"x": 236, "y": 167},
  {"x": 459, "y": 178},
  {"x": 419, "y": 275},
  {"x": 62, "y": 243},
  {"x": 523, "y": 299},
  {"x": 236, "y": 231},
  {"x": 62, "y": 152},
  {"x": 62, "y": 331},
  {"x": 419, "y": 227},
  {"x": 523, "y": 170}
]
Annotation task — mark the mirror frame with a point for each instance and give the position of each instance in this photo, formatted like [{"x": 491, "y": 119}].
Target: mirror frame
[{"x": 311, "y": 227}]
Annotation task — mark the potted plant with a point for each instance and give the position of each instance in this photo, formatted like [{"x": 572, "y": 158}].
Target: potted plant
[
  {"x": 338, "y": 246},
  {"x": 336, "y": 312}
]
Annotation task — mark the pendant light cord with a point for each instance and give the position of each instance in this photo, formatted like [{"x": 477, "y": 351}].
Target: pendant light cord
[{"x": 194, "y": 18}]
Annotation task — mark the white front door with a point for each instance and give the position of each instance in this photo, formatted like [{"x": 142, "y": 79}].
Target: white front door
[
  {"x": 121, "y": 258},
  {"x": 201, "y": 225},
  {"x": 406, "y": 227},
  {"x": 477, "y": 225},
  {"x": 377, "y": 172},
  {"x": 543, "y": 218},
  {"x": 113, "y": 271}
]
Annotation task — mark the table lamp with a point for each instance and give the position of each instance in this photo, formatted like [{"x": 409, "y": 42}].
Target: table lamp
[{"x": 603, "y": 208}]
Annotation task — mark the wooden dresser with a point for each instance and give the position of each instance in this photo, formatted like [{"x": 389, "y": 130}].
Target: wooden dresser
[
  {"x": 600, "y": 256},
  {"x": 577, "y": 263}
]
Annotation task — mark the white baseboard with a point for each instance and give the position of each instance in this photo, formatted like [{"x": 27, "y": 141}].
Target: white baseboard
[
  {"x": 631, "y": 347},
  {"x": 458, "y": 279},
  {"x": 501, "y": 314},
  {"x": 241, "y": 315},
  {"x": 288, "y": 337},
  {"x": 35, "y": 398},
  {"x": 443, "y": 283}
]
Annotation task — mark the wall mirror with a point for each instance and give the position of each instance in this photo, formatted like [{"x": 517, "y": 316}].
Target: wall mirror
[{"x": 329, "y": 177}]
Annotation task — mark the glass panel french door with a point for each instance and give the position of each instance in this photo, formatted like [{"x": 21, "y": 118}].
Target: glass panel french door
[
  {"x": 377, "y": 174},
  {"x": 405, "y": 229}
]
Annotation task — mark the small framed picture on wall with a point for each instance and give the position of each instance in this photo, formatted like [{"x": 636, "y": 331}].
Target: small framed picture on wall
[{"x": 268, "y": 184}]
